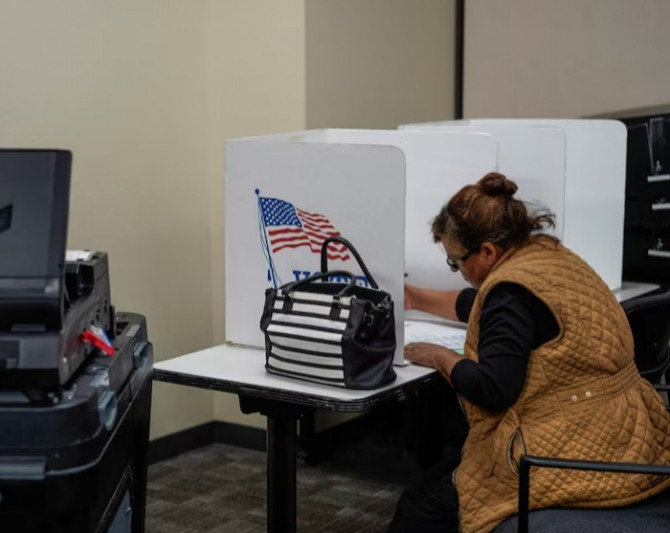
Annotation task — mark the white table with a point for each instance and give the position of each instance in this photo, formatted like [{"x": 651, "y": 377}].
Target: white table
[
  {"x": 633, "y": 289},
  {"x": 283, "y": 401}
]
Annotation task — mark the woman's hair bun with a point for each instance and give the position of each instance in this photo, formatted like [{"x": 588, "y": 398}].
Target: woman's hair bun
[{"x": 496, "y": 184}]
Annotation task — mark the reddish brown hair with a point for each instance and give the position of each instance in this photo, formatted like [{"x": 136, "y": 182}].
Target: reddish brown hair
[{"x": 488, "y": 211}]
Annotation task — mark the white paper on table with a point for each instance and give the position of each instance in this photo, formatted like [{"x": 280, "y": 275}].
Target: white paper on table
[{"x": 452, "y": 337}]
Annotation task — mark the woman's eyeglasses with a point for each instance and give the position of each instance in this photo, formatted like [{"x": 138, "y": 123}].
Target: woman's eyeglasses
[{"x": 455, "y": 264}]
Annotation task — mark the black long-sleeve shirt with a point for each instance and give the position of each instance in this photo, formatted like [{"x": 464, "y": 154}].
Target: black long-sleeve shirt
[{"x": 512, "y": 323}]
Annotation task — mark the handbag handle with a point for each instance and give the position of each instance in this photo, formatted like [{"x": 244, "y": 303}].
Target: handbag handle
[
  {"x": 345, "y": 242},
  {"x": 321, "y": 275}
]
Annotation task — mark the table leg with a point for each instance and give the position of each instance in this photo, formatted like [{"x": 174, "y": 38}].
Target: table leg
[
  {"x": 282, "y": 443},
  {"x": 282, "y": 451}
]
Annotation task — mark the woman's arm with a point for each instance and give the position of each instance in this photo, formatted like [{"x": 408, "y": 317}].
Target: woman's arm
[
  {"x": 438, "y": 303},
  {"x": 513, "y": 323}
]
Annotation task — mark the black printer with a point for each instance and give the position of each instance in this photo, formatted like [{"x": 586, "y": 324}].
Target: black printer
[{"x": 75, "y": 376}]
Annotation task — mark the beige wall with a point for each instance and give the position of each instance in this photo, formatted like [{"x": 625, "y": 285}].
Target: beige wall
[
  {"x": 145, "y": 93},
  {"x": 256, "y": 86},
  {"x": 324, "y": 63},
  {"x": 379, "y": 63},
  {"x": 569, "y": 58},
  {"x": 121, "y": 84}
]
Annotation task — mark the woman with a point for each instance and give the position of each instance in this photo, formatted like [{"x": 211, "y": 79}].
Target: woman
[{"x": 547, "y": 370}]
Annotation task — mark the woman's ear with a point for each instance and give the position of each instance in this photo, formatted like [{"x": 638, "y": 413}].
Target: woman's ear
[{"x": 490, "y": 252}]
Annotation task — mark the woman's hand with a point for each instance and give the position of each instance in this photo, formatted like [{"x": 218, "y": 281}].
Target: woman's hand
[
  {"x": 423, "y": 353},
  {"x": 433, "y": 356}
]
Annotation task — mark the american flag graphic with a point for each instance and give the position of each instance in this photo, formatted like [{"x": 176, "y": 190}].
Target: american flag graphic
[{"x": 290, "y": 227}]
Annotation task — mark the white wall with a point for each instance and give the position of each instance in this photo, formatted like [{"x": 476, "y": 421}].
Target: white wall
[{"x": 571, "y": 58}]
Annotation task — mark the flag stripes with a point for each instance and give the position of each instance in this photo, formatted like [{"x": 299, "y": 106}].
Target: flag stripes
[{"x": 290, "y": 227}]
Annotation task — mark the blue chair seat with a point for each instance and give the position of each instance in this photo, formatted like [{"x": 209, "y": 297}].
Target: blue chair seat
[{"x": 649, "y": 516}]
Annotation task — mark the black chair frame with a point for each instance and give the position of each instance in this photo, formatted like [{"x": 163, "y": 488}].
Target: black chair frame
[
  {"x": 649, "y": 319},
  {"x": 528, "y": 461}
]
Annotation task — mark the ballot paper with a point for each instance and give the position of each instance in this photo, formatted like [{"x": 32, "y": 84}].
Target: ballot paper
[{"x": 452, "y": 337}]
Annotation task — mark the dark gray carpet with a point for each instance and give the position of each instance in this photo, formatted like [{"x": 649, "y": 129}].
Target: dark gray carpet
[{"x": 222, "y": 489}]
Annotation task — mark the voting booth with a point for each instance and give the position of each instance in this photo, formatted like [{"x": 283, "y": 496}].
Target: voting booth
[
  {"x": 577, "y": 167},
  {"x": 285, "y": 192},
  {"x": 381, "y": 188}
]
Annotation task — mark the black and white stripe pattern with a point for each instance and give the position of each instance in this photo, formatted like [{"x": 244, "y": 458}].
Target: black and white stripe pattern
[{"x": 306, "y": 342}]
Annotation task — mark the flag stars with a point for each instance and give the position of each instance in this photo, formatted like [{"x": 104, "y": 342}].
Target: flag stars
[{"x": 279, "y": 213}]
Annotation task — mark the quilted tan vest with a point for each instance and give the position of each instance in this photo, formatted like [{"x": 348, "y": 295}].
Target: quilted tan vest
[{"x": 583, "y": 399}]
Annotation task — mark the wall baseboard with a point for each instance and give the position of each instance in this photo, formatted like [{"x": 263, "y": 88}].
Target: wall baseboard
[
  {"x": 214, "y": 432},
  {"x": 312, "y": 447}
]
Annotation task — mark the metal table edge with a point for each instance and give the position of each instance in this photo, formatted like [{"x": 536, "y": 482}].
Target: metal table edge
[{"x": 297, "y": 398}]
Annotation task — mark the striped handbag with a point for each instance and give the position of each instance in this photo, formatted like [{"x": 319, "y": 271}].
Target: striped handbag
[{"x": 324, "y": 330}]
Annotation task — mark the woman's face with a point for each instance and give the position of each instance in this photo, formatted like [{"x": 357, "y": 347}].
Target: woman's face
[{"x": 474, "y": 265}]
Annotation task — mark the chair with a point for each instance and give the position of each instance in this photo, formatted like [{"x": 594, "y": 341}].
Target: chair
[
  {"x": 649, "y": 516},
  {"x": 649, "y": 318}
]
